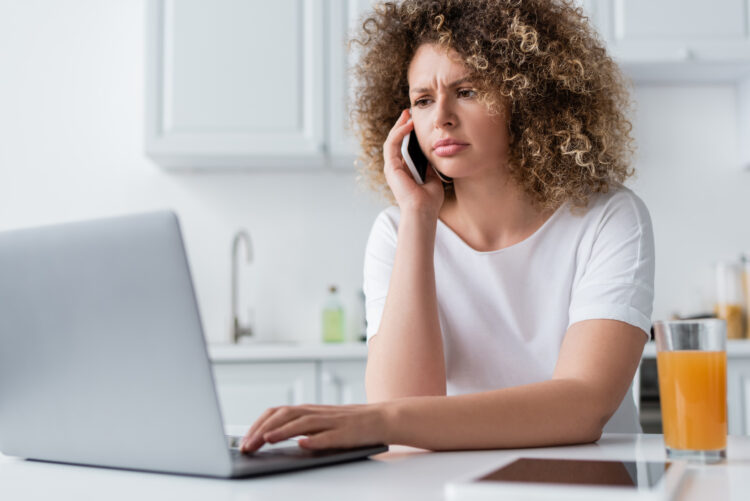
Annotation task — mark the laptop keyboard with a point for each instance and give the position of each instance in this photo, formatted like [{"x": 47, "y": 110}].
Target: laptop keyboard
[
  {"x": 285, "y": 452},
  {"x": 277, "y": 453}
]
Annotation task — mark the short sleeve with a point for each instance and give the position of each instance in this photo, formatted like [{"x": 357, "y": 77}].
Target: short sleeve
[
  {"x": 379, "y": 257},
  {"x": 617, "y": 281}
]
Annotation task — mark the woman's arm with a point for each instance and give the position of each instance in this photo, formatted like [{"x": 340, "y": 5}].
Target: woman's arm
[
  {"x": 405, "y": 357},
  {"x": 597, "y": 362}
]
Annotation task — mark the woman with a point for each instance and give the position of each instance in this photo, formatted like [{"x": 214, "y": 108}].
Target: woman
[{"x": 509, "y": 307}]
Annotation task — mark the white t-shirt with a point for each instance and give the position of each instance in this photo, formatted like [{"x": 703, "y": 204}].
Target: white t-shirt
[{"x": 503, "y": 313}]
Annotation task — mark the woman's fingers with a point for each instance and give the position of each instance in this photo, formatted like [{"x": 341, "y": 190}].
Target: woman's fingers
[
  {"x": 274, "y": 418},
  {"x": 329, "y": 439},
  {"x": 257, "y": 424},
  {"x": 408, "y": 193},
  {"x": 330, "y": 426},
  {"x": 392, "y": 146},
  {"x": 269, "y": 420},
  {"x": 400, "y": 176},
  {"x": 303, "y": 425}
]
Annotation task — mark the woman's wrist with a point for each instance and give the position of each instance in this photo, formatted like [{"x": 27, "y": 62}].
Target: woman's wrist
[
  {"x": 389, "y": 412},
  {"x": 419, "y": 219},
  {"x": 427, "y": 213}
]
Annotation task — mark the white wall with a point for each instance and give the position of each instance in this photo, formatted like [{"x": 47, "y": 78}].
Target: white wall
[
  {"x": 698, "y": 196},
  {"x": 71, "y": 129}
]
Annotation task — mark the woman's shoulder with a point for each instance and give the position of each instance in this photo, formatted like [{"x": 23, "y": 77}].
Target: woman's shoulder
[
  {"x": 613, "y": 216},
  {"x": 619, "y": 194},
  {"x": 619, "y": 202}
]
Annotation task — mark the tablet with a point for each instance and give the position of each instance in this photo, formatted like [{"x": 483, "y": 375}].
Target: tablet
[{"x": 532, "y": 479}]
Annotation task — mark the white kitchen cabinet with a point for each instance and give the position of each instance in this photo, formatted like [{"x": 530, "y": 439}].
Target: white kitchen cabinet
[
  {"x": 738, "y": 395},
  {"x": 682, "y": 41},
  {"x": 344, "y": 17},
  {"x": 676, "y": 41},
  {"x": 247, "y": 84},
  {"x": 743, "y": 123},
  {"x": 232, "y": 83},
  {"x": 235, "y": 84},
  {"x": 664, "y": 30},
  {"x": 245, "y": 390},
  {"x": 253, "y": 377},
  {"x": 342, "y": 382}
]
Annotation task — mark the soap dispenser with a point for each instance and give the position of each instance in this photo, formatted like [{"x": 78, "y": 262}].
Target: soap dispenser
[{"x": 333, "y": 317}]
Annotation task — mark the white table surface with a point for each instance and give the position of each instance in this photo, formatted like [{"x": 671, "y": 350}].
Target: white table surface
[{"x": 403, "y": 473}]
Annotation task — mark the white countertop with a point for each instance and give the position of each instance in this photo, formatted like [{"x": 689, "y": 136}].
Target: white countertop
[
  {"x": 270, "y": 351},
  {"x": 735, "y": 348},
  {"x": 287, "y": 351},
  {"x": 402, "y": 474}
]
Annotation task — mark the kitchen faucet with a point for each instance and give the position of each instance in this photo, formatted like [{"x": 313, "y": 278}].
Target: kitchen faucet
[{"x": 239, "y": 331}]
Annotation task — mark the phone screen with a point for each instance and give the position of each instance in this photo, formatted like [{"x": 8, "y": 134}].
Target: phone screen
[{"x": 580, "y": 472}]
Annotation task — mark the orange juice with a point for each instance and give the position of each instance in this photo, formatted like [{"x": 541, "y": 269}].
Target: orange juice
[{"x": 693, "y": 392}]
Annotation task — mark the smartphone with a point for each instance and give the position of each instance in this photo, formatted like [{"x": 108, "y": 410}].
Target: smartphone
[
  {"x": 414, "y": 157},
  {"x": 416, "y": 161}
]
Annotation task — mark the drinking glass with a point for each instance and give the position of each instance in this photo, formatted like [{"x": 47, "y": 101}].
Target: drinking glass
[{"x": 691, "y": 360}]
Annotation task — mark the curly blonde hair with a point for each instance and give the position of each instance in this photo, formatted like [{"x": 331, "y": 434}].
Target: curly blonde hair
[{"x": 568, "y": 132}]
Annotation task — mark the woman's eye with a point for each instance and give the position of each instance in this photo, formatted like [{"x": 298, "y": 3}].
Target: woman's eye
[{"x": 467, "y": 93}]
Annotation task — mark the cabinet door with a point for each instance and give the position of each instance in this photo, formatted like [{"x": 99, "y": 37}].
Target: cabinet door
[
  {"x": 343, "y": 382},
  {"x": 646, "y": 30},
  {"x": 344, "y": 16},
  {"x": 247, "y": 389},
  {"x": 738, "y": 395},
  {"x": 232, "y": 83}
]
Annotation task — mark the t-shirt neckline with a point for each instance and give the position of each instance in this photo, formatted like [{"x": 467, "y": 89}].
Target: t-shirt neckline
[{"x": 531, "y": 237}]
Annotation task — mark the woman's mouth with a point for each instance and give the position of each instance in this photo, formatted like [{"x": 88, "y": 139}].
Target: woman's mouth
[{"x": 449, "y": 149}]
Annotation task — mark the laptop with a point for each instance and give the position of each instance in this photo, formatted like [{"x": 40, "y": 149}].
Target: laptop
[{"x": 103, "y": 360}]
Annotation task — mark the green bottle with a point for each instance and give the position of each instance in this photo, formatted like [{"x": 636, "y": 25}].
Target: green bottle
[{"x": 333, "y": 317}]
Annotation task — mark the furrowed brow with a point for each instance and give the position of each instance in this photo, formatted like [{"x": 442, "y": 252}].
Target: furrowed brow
[{"x": 450, "y": 86}]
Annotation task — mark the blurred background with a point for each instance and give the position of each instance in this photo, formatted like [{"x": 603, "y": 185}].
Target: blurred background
[{"x": 232, "y": 113}]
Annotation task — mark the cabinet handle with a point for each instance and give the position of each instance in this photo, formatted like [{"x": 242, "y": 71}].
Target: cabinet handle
[{"x": 329, "y": 378}]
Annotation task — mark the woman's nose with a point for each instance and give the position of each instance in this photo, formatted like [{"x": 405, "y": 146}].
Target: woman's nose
[{"x": 444, "y": 114}]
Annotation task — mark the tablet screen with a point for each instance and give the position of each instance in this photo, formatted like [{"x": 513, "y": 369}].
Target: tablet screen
[{"x": 580, "y": 472}]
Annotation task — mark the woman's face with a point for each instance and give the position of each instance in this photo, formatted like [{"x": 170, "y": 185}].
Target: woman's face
[{"x": 444, "y": 106}]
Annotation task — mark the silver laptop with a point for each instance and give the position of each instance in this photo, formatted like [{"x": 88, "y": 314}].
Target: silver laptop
[{"x": 103, "y": 360}]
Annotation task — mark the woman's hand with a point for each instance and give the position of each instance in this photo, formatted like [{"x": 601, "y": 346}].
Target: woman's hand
[
  {"x": 426, "y": 198},
  {"x": 326, "y": 426}
]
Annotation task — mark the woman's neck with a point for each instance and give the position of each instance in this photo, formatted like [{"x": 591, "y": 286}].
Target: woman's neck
[{"x": 491, "y": 213}]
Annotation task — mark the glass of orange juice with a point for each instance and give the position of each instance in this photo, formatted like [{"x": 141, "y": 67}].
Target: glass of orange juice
[{"x": 691, "y": 360}]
